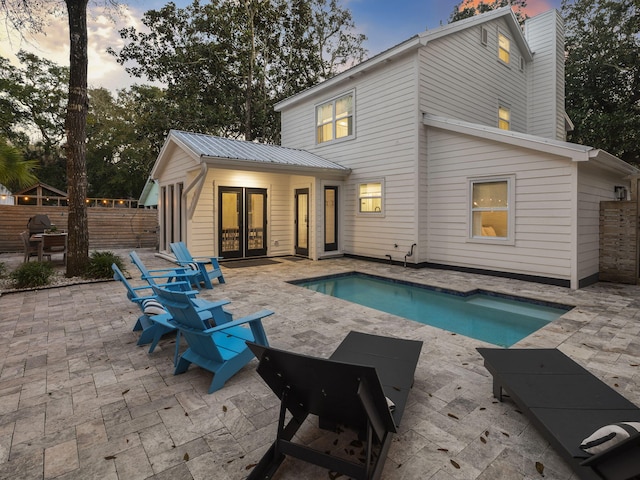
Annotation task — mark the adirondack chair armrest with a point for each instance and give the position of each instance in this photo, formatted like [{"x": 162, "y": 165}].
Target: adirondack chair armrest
[
  {"x": 141, "y": 287},
  {"x": 141, "y": 299},
  {"x": 206, "y": 259},
  {"x": 212, "y": 305},
  {"x": 168, "y": 286},
  {"x": 206, "y": 311},
  {"x": 179, "y": 287},
  {"x": 254, "y": 317},
  {"x": 165, "y": 270},
  {"x": 169, "y": 272},
  {"x": 199, "y": 261},
  {"x": 255, "y": 324}
]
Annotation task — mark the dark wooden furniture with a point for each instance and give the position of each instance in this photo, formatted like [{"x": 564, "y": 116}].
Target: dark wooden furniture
[
  {"x": 566, "y": 404},
  {"x": 31, "y": 248},
  {"x": 350, "y": 389},
  {"x": 52, "y": 244}
]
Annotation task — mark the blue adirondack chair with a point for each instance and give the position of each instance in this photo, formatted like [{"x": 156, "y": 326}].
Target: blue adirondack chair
[
  {"x": 185, "y": 259},
  {"x": 165, "y": 274},
  {"x": 150, "y": 308},
  {"x": 220, "y": 349},
  {"x": 155, "y": 321}
]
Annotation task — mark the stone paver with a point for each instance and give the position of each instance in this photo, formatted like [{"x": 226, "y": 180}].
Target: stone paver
[{"x": 79, "y": 399}]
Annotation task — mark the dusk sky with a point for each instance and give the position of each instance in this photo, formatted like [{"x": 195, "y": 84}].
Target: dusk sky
[{"x": 386, "y": 23}]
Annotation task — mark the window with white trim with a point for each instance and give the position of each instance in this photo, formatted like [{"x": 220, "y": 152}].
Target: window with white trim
[
  {"x": 334, "y": 119},
  {"x": 504, "y": 48},
  {"x": 491, "y": 208},
  {"x": 370, "y": 197},
  {"x": 504, "y": 118}
]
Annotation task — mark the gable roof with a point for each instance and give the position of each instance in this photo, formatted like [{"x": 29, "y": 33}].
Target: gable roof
[
  {"x": 573, "y": 151},
  {"x": 227, "y": 151},
  {"x": 42, "y": 189},
  {"x": 414, "y": 43}
]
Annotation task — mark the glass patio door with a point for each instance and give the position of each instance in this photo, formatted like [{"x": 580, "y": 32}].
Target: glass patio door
[
  {"x": 230, "y": 222},
  {"x": 302, "y": 222},
  {"x": 256, "y": 222},
  {"x": 330, "y": 219},
  {"x": 242, "y": 222}
]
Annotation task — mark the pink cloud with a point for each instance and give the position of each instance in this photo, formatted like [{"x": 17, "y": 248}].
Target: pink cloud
[{"x": 534, "y": 7}]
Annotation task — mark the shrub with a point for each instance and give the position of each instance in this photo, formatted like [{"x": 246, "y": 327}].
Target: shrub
[
  {"x": 32, "y": 274},
  {"x": 3, "y": 269},
  {"x": 100, "y": 265}
]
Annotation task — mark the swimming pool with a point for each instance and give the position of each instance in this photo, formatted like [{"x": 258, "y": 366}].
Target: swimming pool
[{"x": 482, "y": 315}]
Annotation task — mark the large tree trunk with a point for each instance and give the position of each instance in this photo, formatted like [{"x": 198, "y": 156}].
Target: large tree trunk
[
  {"x": 76, "y": 130},
  {"x": 250, "y": 9}
]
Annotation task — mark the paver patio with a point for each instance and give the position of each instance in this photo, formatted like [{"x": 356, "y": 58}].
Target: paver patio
[{"x": 79, "y": 399}]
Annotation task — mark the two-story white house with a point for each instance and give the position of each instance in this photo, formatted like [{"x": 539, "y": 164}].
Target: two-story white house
[{"x": 447, "y": 150}]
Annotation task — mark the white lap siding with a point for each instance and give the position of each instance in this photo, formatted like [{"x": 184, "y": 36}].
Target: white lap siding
[
  {"x": 463, "y": 79},
  {"x": 385, "y": 148},
  {"x": 595, "y": 185},
  {"x": 280, "y": 193},
  {"x": 544, "y": 209}
]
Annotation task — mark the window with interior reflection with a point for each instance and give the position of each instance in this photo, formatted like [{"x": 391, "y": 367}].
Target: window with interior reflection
[
  {"x": 504, "y": 48},
  {"x": 504, "y": 118},
  {"x": 490, "y": 209},
  {"x": 334, "y": 119},
  {"x": 370, "y": 197}
]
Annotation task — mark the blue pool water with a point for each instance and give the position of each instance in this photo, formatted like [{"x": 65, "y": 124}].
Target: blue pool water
[{"x": 494, "y": 319}]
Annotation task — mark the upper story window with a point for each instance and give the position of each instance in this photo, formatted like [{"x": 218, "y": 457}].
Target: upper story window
[
  {"x": 370, "y": 197},
  {"x": 491, "y": 215},
  {"x": 504, "y": 48},
  {"x": 334, "y": 119},
  {"x": 504, "y": 118}
]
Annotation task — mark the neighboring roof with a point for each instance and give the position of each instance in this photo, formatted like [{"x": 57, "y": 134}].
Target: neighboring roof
[
  {"x": 149, "y": 195},
  {"x": 44, "y": 190},
  {"x": 209, "y": 147},
  {"x": 416, "y": 42},
  {"x": 573, "y": 151}
]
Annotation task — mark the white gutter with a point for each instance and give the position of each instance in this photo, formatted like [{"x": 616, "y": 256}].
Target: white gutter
[
  {"x": 289, "y": 169},
  {"x": 574, "y": 151}
]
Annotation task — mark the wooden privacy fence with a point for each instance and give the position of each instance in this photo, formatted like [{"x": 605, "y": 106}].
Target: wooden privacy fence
[
  {"x": 109, "y": 228},
  {"x": 619, "y": 241}
]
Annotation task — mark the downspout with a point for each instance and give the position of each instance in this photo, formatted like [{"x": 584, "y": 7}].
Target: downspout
[{"x": 574, "y": 280}]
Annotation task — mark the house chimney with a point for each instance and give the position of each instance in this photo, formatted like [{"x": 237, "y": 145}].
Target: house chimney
[{"x": 545, "y": 35}]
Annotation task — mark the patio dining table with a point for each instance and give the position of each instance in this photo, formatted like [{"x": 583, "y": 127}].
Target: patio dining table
[{"x": 39, "y": 238}]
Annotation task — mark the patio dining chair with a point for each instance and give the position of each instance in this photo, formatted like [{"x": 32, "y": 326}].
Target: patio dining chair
[
  {"x": 30, "y": 248},
  {"x": 206, "y": 275},
  {"x": 220, "y": 349}
]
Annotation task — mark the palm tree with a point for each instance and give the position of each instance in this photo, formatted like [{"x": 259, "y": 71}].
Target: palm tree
[{"x": 14, "y": 170}]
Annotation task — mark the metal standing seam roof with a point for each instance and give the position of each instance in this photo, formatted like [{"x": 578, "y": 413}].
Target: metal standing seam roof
[{"x": 219, "y": 147}]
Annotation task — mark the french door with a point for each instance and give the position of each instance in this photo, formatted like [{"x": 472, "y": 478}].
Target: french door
[
  {"x": 330, "y": 219},
  {"x": 302, "y": 222},
  {"x": 242, "y": 222}
]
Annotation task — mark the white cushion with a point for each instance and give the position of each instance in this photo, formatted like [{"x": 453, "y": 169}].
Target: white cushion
[
  {"x": 151, "y": 306},
  {"x": 193, "y": 266},
  {"x": 606, "y": 437}
]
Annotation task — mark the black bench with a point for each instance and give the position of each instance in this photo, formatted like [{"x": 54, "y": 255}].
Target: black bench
[
  {"x": 349, "y": 389},
  {"x": 566, "y": 404}
]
